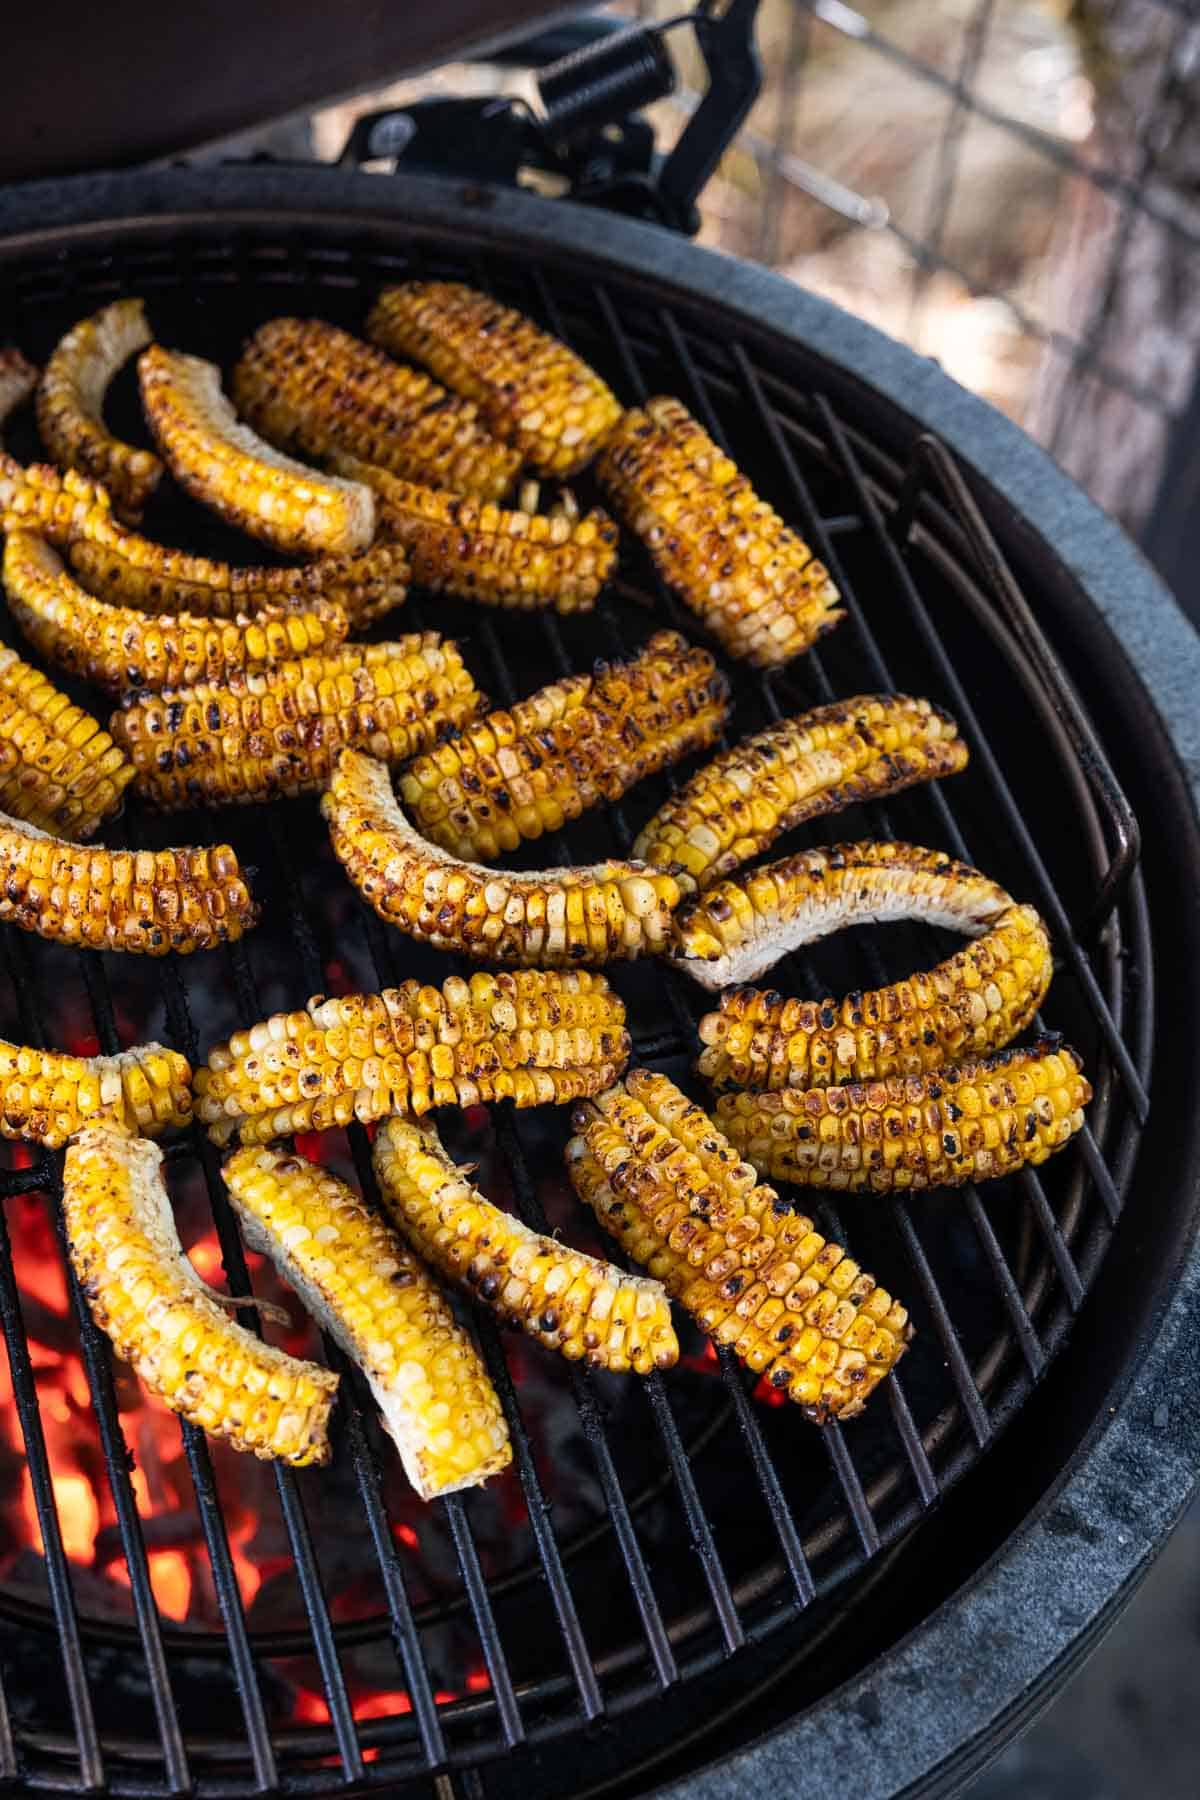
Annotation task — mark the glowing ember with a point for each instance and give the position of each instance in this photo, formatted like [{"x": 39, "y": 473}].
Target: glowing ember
[
  {"x": 171, "y": 1580},
  {"x": 382, "y": 1706}
]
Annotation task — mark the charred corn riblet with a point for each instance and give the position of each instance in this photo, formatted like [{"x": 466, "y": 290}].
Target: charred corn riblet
[
  {"x": 272, "y": 732},
  {"x": 970, "y": 1121},
  {"x": 463, "y": 545},
  {"x": 587, "y": 739},
  {"x": 145, "y": 1296},
  {"x": 146, "y": 902},
  {"x": 531, "y": 389},
  {"x": 753, "y": 1274},
  {"x": 70, "y": 405},
  {"x": 359, "y": 1281},
  {"x": 549, "y": 918},
  {"x": 47, "y": 1097},
  {"x": 119, "y": 649},
  {"x": 57, "y": 504},
  {"x": 574, "y": 1304},
  {"x": 226, "y": 466},
  {"x": 533, "y": 1037},
  {"x": 307, "y": 386},
  {"x": 18, "y": 378},
  {"x": 974, "y": 1002},
  {"x": 66, "y": 774},
  {"x": 727, "y": 554},
  {"x": 738, "y": 929},
  {"x": 819, "y": 762}
]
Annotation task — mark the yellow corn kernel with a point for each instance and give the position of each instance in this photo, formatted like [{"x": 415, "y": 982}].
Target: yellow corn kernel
[
  {"x": 753, "y": 1274},
  {"x": 306, "y": 386},
  {"x": 70, "y": 405},
  {"x": 65, "y": 773},
  {"x": 47, "y": 1096},
  {"x": 819, "y": 762},
  {"x": 968, "y": 1121},
  {"x": 55, "y": 504},
  {"x": 163, "y": 1320},
  {"x": 570, "y": 746},
  {"x": 276, "y": 731},
  {"x": 531, "y": 389}
]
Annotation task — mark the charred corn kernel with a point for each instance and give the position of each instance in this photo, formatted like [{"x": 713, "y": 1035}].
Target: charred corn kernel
[
  {"x": 533, "y": 1037},
  {"x": 145, "y": 902},
  {"x": 970, "y": 1121},
  {"x": 48, "y": 1097},
  {"x": 738, "y": 929},
  {"x": 819, "y": 762},
  {"x": 272, "y": 732},
  {"x": 570, "y": 746},
  {"x": 974, "y": 1002},
  {"x": 18, "y": 378},
  {"x": 66, "y": 774},
  {"x": 119, "y": 649},
  {"x": 462, "y": 545},
  {"x": 358, "y": 1280},
  {"x": 226, "y": 466},
  {"x": 753, "y": 1274},
  {"x": 727, "y": 554},
  {"x": 307, "y": 386},
  {"x": 531, "y": 389},
  {"x": 163, "y": 1320},
  {"x": 70, "y": 405},
  {"x": 546, "y": 918},
  {"x": 583, "y": 1308},
  {"x": 56, "y": 504}
]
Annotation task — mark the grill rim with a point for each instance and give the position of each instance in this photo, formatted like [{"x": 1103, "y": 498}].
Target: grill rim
[{"x": 1036, "y": 502}]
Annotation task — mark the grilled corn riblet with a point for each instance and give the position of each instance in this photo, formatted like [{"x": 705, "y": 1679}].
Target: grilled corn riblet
[
  {"x": 549, "y": 918},
  {"x": 460, "y": 544},
  {"x": 970, "y": 1121},
  {"x": 739, "y": 928},
  {"x": 57, "y": 504},
  {"x": 145, "y": 1296},
  {"x": 531, "y": 389},
  {"x": 47, "y": 1096},
  {"x": 224, "y": 465},
  {"x": 70, "y": 405},
  {"x": 818, "y": 762},
  {"x": 531, "y": 1036},
  {"x": 119, "y": 649},
  {"x": 18, "y": 378},
  {"x": 147, "y": 902},
  {"x": 571, "y": 1303},
  {"x": 974, "y": 1002},
  {"x": 728, "y": 555},
  {"x": 276, "y": 731},
  {"x": 570, "y": 746},
  {"x": 359, "y": 1281},
  {"x": 66, "y": 774},
  {"x": 755, "y": 1275},
  {"x": 307, "y": 386}
]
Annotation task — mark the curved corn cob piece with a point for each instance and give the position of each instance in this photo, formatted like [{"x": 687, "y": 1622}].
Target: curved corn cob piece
[
  {"x": 970, "y": 1121},
  {"x": 816, "y": 763},
  {"x": 974, "y": 1002},
  {"x": 18, "y": 378},
  {"x": 272, "y": 732},
  {"x": 531, "y": 389},
  {"x": 534, "y": 1037},
  {"x": 163, "y": 1320},
  {"x": 571, "y": 1303},
  {"x": 727, "y": 554},
  {"x": 358, "y": 1280},
  {"x": 119, "y": 649},
  {"x": 70, "y": 405},
  {"x": 548, "y": 918},
  {"x": 740, "y": 928},
  {"x": 224, "y": 465},
  {"x": 47, "y": 1096},
  {"x": 57, "y": 504},
  {"x": 753, "y": 1274},
  {"x": 307, "y": 386},
  {"x": 589, "y": 738},
  {"x": 66, "y": 774},
  {"x": 459, "y": 544},
  {"x": 146, "y": 902}
]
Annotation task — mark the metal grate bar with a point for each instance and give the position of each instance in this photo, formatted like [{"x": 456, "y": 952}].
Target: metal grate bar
[
  {"x": 699, "y": 1529},
  {"x": 511, "y": 1723},
  {"x": 1027, "y": 1337},
  {"x": 768, "y": 1480},
  {"x": 944, "y": 1326},
  {"x": 1063, "y": 1260},
  {"x": 847, "y": 1474}
]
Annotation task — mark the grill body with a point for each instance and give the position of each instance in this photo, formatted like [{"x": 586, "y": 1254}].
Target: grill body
[{"x": 878, "y": 1607}]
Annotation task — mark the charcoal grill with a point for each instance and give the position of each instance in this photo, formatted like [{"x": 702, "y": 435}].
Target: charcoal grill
[{"x": 675, "y": 1573}]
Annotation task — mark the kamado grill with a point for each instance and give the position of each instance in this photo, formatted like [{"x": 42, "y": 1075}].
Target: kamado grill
[{"x": 679, "y": 1583}]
